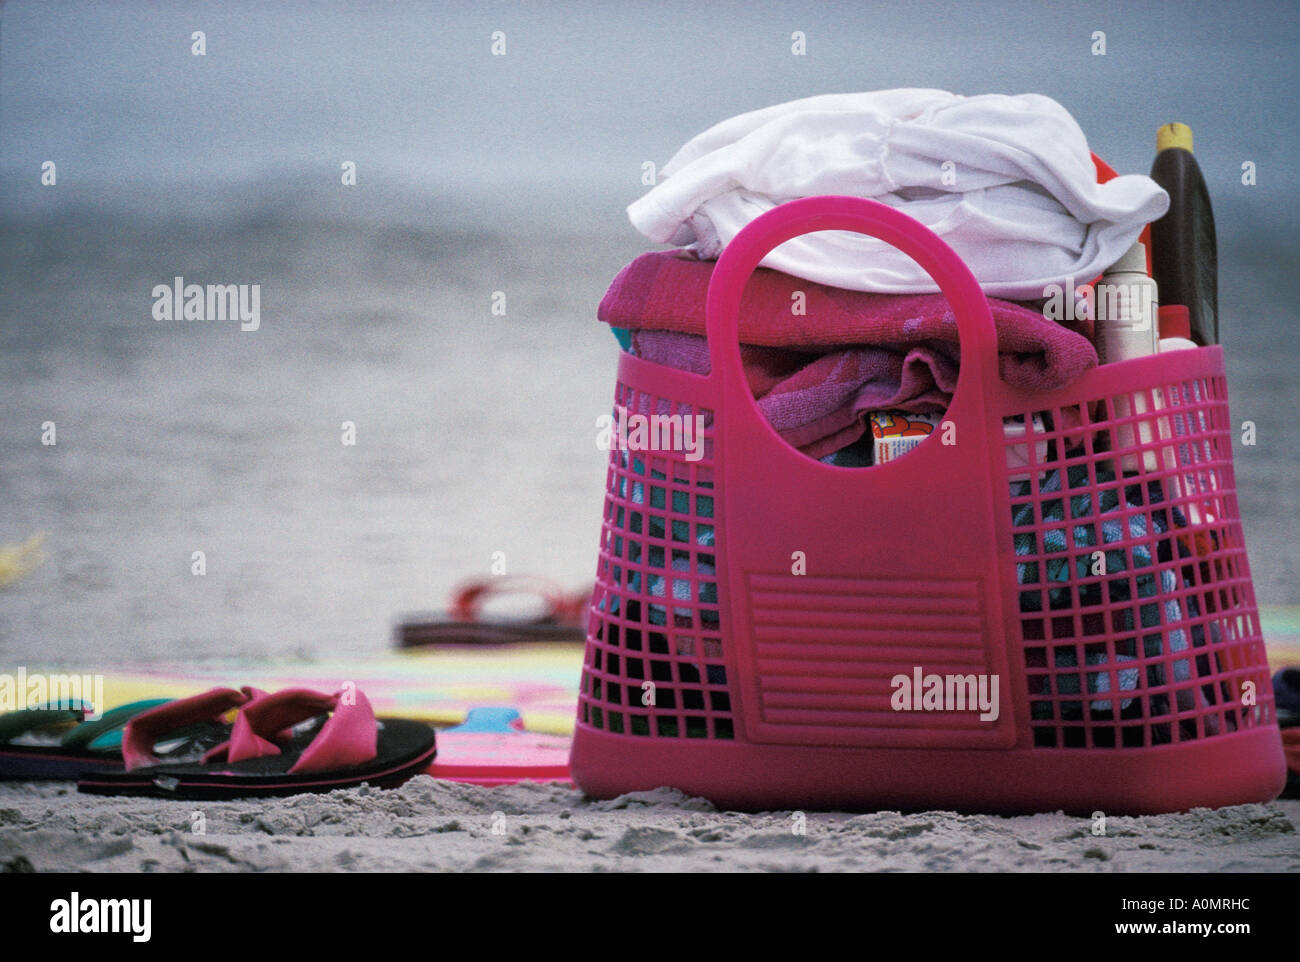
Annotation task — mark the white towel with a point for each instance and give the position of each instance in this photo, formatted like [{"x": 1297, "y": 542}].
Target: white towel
[{"x": 1008, "y": 182}]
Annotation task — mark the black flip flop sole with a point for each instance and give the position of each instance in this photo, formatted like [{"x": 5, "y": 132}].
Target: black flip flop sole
[
  {"x": 405, "y": 748},
  {"x": 44, "y": 763},
  {"x": 22, "y": 763},
  {"x": 423, "y": 634}
]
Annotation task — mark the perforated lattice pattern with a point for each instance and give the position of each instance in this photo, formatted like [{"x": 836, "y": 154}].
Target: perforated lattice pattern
[
  {"x": 654, "y": 663},
  {"x": 1137, "y": 618},
  {"x": 1137, "y": 615}
]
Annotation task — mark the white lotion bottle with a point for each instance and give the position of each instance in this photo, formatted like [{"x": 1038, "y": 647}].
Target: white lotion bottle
[
  {"x": 1175, "y": 335},
  {"x": 1127, "y": 302}
]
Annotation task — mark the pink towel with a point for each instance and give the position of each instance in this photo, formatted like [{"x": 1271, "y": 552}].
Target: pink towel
[{"x": 666, "y": 291}]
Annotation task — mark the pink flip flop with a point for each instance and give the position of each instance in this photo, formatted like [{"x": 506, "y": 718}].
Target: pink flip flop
[
  {"x": 293, "y": 741},
  {"x": 563, "y": 616}
]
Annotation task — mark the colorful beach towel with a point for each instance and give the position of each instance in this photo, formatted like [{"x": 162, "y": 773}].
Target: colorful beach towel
[{"x": 539, "y": 680}]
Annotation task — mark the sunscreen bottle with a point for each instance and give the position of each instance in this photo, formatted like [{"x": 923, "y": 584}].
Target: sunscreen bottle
[
  {"x": 1127, "y": 329},
  {"x": 1126, "y": 303},
  {"x": 1175, "y": 331},
  {"x": 1184, "y": 252}
]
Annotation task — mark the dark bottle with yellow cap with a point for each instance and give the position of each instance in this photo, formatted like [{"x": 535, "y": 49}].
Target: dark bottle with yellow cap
[{"x": 1184, "y": 254}]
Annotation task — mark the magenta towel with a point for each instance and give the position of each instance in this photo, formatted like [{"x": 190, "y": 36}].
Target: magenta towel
[{"x": 666, "y": 291}]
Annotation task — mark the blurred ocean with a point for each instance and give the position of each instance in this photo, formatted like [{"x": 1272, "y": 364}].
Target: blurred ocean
[{"x": 475, "y": 433}]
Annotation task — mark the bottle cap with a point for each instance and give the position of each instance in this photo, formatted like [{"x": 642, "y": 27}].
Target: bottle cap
[
  {"x": 1174, "y": 135},
  {"x": 1175, "y": 321},
  {"x": 1133, "y": 261}
]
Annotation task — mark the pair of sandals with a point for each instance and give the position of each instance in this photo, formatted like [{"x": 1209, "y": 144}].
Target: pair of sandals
[
  {"x": 282, "y": 744},
  {"x": 292, "y": 741}
]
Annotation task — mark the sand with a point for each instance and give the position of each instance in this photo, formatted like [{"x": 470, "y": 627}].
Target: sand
[{"x": 430, "y": 825}]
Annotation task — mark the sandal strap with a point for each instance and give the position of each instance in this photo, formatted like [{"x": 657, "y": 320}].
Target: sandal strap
[
  {"x": 573, "y": 608},
  {"x": 113, "y": 720},
  {"x": 15, "y": 723},
  {"x": 145, "y": 730},
  {"x": 348, "y": 737},
  {"x": 561, "y": 606}
]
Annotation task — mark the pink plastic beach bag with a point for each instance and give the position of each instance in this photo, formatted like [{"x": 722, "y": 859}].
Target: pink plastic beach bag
[{"x": 1045, "y": 605}]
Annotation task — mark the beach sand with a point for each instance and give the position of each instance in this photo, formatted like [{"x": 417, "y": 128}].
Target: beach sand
[{"x": 429, "y": 825}]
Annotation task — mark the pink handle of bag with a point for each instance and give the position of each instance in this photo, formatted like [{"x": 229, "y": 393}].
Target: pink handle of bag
[{"x": 975, "y": 328}]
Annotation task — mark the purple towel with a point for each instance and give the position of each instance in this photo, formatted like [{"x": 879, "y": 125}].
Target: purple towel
[
  {"x": 819, "y": 403},
  {"x": 816, "y": 374}
]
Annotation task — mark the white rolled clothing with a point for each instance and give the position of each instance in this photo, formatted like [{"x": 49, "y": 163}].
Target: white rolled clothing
[{"x": 1007, "y": 181}]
